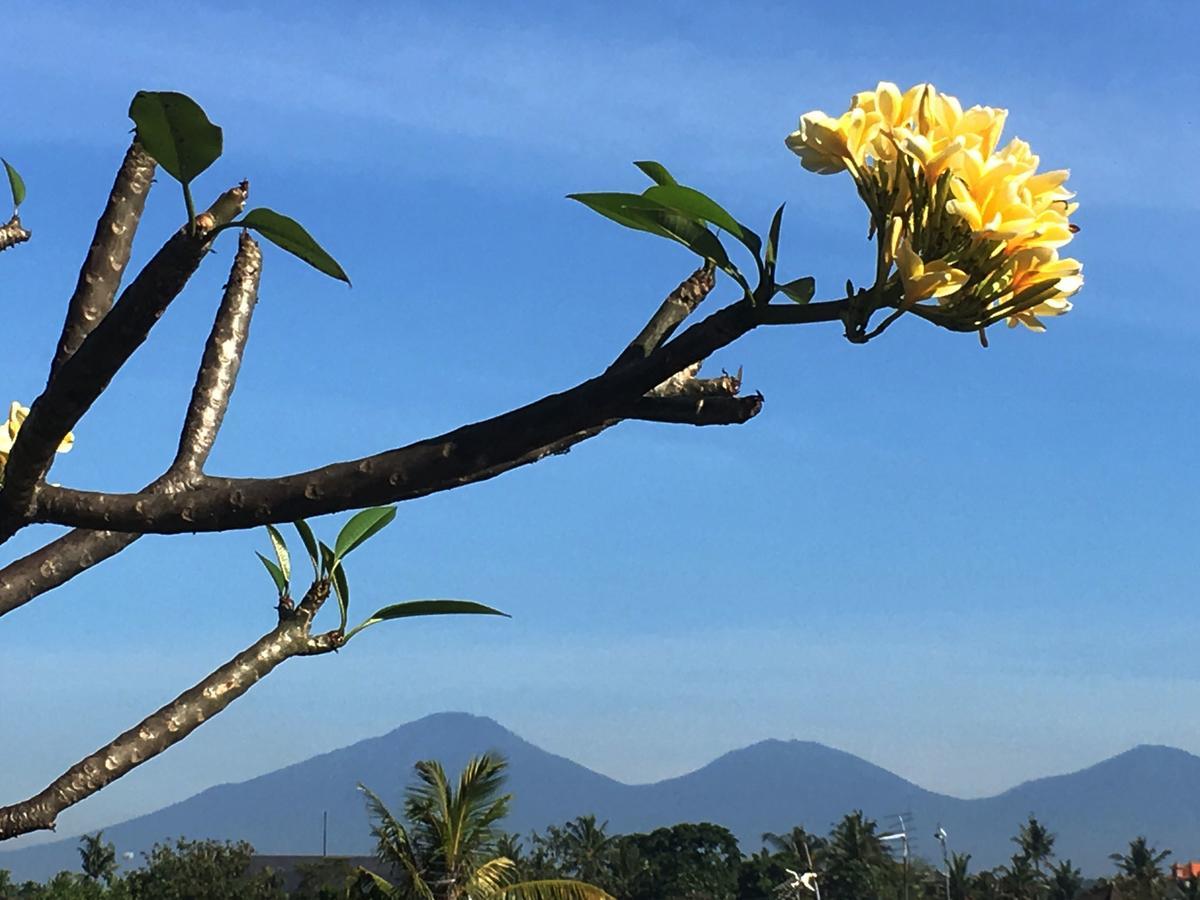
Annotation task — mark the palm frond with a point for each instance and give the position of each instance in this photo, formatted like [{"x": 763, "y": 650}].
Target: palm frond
[
  {"x": 491, "y": 876},
  {"x": 364, "y": 878},
  {"x": 393, "y": 844},
  {"x": 477, "y": 808},
  {"x": 551, "y": 889},
  {"x": 428, "y": 807}
]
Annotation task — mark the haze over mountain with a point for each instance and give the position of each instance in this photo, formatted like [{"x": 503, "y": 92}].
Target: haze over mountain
[{"x": 768, "y": 786}]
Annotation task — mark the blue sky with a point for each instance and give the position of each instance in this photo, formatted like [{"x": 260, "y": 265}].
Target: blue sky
[{"x": 972, "y": 567}]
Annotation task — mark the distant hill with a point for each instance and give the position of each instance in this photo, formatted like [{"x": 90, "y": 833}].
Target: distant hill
[{"x": 768, "y": 786}]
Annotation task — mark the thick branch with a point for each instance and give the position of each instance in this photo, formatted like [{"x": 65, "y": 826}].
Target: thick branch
[
  {"x": 222, "y": 360},
  {"x": 61, "y": 560},
  {"x": 57, "y": 563},
  {"x": 463, "y": 456},
  {"x": 11, "y": 233},
  {"x": 109, "y": 253},
  {"x": 171, "y": 724},
  {"x": 87, "y": 372}
]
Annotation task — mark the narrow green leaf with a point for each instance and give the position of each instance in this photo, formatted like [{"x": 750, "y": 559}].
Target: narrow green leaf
[
  {"x": 624, "y": 209},
  {"x": 175, "y": 131},
  {"x": 310, "y": 544},
  {"x": 644, "y": 213},
  {"x": 341, "y": 588},
  {"x": 695, "y": 204},
  {"x": 281, "y": 552},
  {"x": 413, "y": 608},
  {"x": 656, "y": 171},
  {"x": 773, "y": 239},
  {"x": 801, "y": 290},
  {"x": 290, "y": 235},
  {"x": 337, "y": 575},
  {"x": 361, "y": 526},
  {"x": 281, "y": 582},
  {"x": 16, "y": 184}
]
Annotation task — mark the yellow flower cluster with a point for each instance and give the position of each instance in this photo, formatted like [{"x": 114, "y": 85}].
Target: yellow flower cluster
[
  {"x": 8, "y": 435},
  {"x": 965, "y": 221}
]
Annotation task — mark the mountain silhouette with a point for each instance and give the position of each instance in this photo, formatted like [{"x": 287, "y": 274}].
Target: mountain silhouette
[{"x": 768, "y": 786}]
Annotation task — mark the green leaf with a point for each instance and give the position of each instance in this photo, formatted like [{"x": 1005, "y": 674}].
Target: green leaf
[
  {"x": 174, "y": 130},
  {"x": 361, "y": 526},
  {"x": 310, "y": 544},
  {"x": 281, "y": 582},
  {"x": 290, "y": 235},
  {"x": 16, "y": 184},
  {"x": 646, "y": 214},
  {"x": 281, "y": 552},
  {"x": 773, "y": 239},
  {"x": 414, "y": 608},
  {"x": 337, "y": 575},
  {"x": 656, "y": 171},
  {"x": 801, "y": 290},
  {"x": 624, "y": 209},
  {"x": 697, "y": 205}
]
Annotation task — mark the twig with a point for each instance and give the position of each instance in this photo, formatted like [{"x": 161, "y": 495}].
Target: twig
[
  {"x": 11, "y": 233},
  {"x": 678, "y": 305}
]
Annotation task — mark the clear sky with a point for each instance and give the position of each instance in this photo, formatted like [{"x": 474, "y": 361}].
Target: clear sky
[{"x": 970, "y": 566}]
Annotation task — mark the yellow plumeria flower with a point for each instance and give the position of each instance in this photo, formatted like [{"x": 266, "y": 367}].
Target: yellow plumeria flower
[
  {"x": 827, "y": 145},
  {"x": 8, "y": 434},
  {"x": 922, "y": 280},
  {"x": 1041, "y": 265},
  {"x": 991, "y": 223}
]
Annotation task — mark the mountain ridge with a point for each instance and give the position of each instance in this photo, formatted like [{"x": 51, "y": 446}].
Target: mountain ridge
[{"x": 769, "y": 785}]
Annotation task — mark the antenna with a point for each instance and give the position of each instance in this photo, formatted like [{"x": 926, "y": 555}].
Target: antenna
[
  {"x": 900, "y": 833},
  {"x": 942, "y": 837}
]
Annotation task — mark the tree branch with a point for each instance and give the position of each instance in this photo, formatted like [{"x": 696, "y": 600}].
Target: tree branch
[
  {"x": 698, "y": 410},
  {"x": 11, "y": 233},
  {"x": 680, "y": 304},
  {"x": 222, "y": 360},
  {"x": 87, "y": 372},
  {"x": 61, "y": 560},
  {"x": 109, "y": 254},
  {"x": 175, "y": 721},
  {"x": 466, "y": 455}
]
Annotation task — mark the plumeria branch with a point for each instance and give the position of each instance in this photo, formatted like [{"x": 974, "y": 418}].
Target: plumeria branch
[
  {"x": 12, "y": 233},
  {"x": 108, "y": 255},
  {"x": 292, "y": 636},
  {"x": 87, "y": 372},
  {"x": 68, "y": 556},
  {"x": 466, "y": 455}
]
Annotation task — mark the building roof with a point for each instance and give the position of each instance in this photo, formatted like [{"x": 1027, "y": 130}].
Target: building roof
[{"x": 1186, "y": 871}]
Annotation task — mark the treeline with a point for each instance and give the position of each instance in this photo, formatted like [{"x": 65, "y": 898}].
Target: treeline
[
  {"x": 689, "y": 861},
  {"x": 851, "y": 862}
]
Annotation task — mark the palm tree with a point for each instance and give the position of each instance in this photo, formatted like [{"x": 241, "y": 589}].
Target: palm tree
[
  {"x": 586, "y": 848},
  {"x": 98, "y": 858},
  {"x": 1139, "y": 869},
  {"x": 448, "y": 851},
  {"x": 1065, "y": 881},
  {"x": 1036, "y": 843},
  {"x": 796, "y": 846},
  {"x": 959, "y": 876},
  {"x": 1019, "y": 880}
]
